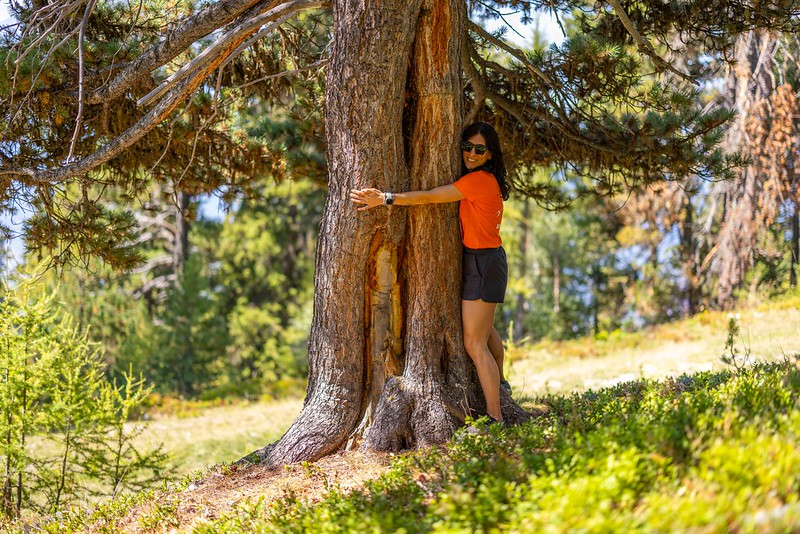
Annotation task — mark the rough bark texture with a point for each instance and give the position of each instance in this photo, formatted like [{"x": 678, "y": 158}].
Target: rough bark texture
[
  {"x": 356, "y": 254},
  {"x": 421, "y": 406},
  {"x": 750, "y": 83},
  {"x": 387, "y": 367}
]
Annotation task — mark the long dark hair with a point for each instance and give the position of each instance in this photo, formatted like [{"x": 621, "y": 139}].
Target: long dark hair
[{"x": 495, "y": 165}]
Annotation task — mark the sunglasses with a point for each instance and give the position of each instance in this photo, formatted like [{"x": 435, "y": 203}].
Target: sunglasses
[{"x": 479, "y": 149}]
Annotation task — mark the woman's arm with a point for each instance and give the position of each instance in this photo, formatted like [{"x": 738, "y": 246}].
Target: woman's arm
[{"x": 372, "y": 197}]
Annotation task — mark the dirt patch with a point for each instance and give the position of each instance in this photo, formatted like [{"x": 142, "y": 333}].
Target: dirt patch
[{"x": 225, "y": 487}]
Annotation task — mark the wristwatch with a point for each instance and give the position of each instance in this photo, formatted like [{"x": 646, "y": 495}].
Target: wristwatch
[{"x": 388, "y": 198}]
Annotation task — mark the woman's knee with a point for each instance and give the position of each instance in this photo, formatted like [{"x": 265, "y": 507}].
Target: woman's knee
[{"x": 475, "y": 346}]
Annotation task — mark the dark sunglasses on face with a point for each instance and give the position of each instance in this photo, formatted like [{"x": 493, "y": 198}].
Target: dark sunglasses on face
[{"x": 479, "y": 149}]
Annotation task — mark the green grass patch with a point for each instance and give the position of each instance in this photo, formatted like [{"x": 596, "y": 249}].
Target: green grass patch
[{"x": 714, "y": 451}]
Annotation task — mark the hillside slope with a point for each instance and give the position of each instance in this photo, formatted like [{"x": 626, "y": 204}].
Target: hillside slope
[{"x": 634, "y": 453}]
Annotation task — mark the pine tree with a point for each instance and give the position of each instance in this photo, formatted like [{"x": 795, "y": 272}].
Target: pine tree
[{"x": 63, "y": 429}]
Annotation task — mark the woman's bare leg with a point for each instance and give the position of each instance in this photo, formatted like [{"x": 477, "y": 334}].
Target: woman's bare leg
[
  {"x": 497, "y": 350},
  {"x": 477, "y": 317}
]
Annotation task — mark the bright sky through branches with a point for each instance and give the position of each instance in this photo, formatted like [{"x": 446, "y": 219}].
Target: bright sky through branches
[
  {"x": 5, "y": 16},
  {"x": 521, "y": 35}
]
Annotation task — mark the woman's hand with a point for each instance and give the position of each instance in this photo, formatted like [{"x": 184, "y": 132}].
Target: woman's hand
[{"x": 370, "y": 196}]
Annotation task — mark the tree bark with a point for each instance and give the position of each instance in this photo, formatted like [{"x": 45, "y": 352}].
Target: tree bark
[
  {"x": 749, "y": 82},
  {"x": 387, "y": 367},
  {"x": 556, "y": 276},
  {"x": 689, "y": 254},
  {"x": 795, "y": 245},
  {"x": 180, "y": 250}
]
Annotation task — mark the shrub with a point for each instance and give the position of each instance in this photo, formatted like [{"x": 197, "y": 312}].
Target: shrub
[{"x": 63, "y": 432}]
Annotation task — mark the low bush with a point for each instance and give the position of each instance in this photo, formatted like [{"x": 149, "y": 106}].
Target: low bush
[
  {"x": 714, "y": 451},
  {"x": 710, "y": 452}
]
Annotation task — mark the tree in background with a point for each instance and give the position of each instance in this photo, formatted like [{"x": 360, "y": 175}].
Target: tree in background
[
  {"x": 64, "y": 432},
  {"x": 386, "y": 363},
  {"x": 761, "y": 89},
  {"x": 265, "y": 255},
  {"x": 239, "y": 315},
  {"x": 570, "y": 276}
]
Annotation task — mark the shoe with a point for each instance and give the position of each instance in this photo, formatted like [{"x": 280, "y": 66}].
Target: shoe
[
  {"x": 493, "y": 421},
  {"x": 506, "y": 386}
]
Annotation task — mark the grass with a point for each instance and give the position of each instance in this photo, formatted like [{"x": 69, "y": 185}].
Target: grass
[
  {"x": 709, "y": 452},
  {"x": 221, "y": 434},
  {"x": 622, "y": 446},
  {"x": 225, "y": 433},
  {"x": 769, "y": 331}
]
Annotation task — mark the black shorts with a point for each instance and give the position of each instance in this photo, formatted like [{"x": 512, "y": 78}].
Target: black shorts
[{"x": 484, "y": 274}]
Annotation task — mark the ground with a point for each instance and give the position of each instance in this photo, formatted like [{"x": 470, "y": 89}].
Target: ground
[
  {"x": 223, "y": 434},
  {"x": 222, "y": 488}
]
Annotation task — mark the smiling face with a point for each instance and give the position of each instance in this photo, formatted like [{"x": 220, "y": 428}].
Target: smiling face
[{"x": 472, "y": 160}]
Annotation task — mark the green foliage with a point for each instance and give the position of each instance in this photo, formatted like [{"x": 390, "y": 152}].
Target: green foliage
[
  {"x": 566, "y": 278},
  {"x": 190, "y": 335},
  {"x": 732, "y": 355},
  {"x": 100, "y": 301},
  {"x": 234, "y": 320},
  {"x": 64, "y": 227},
  {"x": 64, "y": 431},
  {"x": 641, "y": 456},
  {"x": 266, "y": 263}
]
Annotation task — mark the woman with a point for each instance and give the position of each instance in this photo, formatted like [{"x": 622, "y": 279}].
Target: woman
[{"x": 481, "y": 191}]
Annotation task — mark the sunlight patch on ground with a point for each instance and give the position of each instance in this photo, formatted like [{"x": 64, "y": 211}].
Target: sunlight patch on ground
[{"x": 766, "y": 335}]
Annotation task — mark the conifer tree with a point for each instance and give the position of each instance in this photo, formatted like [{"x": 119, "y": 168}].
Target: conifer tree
[{"x": 63, "y": 431}]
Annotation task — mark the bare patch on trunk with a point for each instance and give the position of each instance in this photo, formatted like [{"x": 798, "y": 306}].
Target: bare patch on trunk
[{"x": 384, "y": 321}]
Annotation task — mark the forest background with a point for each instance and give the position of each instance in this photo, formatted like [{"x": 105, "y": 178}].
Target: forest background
[
  {"x": 222, "y": 302},
  {"x": 221, "y": 306}
]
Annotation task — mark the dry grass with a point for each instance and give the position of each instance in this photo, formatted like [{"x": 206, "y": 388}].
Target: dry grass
[
  {"x": 223, "y": 488},
  {"x": 667, "y": 350}
]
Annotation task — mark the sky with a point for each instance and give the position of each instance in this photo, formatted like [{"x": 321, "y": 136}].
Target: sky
[{"x": 5, "y": 16}]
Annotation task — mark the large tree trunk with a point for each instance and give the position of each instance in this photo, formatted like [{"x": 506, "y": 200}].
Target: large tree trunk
[
  {"x": 794, "y": 245},
  {"x": 387, "y": 368}
]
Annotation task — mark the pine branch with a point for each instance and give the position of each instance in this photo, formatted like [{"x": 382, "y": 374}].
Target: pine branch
[
  {"x": 187, "y": 32},
  {"x": 239, "y": 33},
  {"x": 644, "y": 45},
  {"x": 317, "y": 64},
  {"x": 533, "y": 69},
  {"x": 79, "y": 118},
  {"x": 521, "y": 112},
  {"x": 170, "y": 101},
  {"x": 474, "y": 78}
]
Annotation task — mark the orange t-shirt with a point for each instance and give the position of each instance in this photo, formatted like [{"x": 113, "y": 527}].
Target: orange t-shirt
[{"x": 481, "y": 211}]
